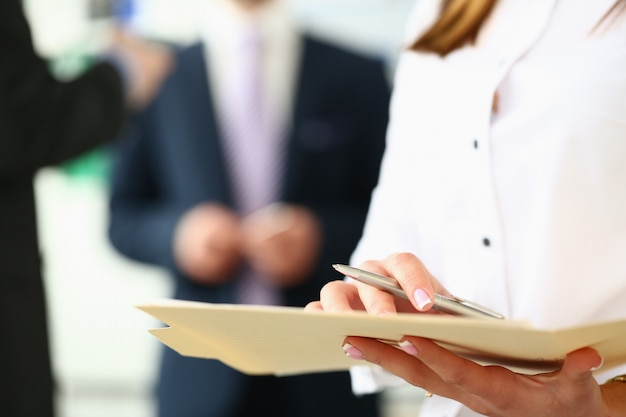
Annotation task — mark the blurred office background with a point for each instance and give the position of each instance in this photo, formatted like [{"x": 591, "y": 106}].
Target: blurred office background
[{"x": 104, "y": 358}]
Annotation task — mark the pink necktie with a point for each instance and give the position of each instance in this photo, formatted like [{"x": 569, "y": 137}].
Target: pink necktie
[
  {"x": 251, "y": 144},
  {"x": 253, "y": 149}
]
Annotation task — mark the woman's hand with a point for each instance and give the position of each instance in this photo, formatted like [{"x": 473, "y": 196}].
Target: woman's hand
[
  {"x": 406, "y": 268},
  {"x": 492, "y": 390}
]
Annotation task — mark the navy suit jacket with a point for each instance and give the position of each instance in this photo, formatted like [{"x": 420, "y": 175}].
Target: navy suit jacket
[{"x": 172, "y": 159}]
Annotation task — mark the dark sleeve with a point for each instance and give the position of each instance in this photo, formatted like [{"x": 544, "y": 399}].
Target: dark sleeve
[
  {"x": 145, "y": 202},
  {"x": 44, "y": 121},
  {"x": 141, "y": 219}
]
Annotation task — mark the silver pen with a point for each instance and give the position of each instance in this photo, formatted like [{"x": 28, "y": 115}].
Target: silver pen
[{"x": 450, "y": 305}]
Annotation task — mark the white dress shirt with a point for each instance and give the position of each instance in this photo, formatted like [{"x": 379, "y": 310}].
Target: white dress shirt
[
  {"x": 223, "y": 24},
  {"x": 522, "y": 209}
]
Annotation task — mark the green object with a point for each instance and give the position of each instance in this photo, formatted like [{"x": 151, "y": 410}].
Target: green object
[
  {"x": 70, "y": 65},
  {"x": 90, "y": 165}
]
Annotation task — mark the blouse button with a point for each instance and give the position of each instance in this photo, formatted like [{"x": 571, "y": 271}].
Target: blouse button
[{"x": 486, "y": 242}]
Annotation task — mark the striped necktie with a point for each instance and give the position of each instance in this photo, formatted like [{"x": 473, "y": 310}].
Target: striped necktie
[{"x": 253, "y": 149}]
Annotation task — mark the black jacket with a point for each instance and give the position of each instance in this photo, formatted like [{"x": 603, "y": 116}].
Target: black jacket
[{"x": 42, "y": 122}]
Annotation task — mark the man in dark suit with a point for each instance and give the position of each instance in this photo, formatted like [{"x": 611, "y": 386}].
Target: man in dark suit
[
  {"x": 176, "y": 199},
  {"x": 43, "y": 122}
]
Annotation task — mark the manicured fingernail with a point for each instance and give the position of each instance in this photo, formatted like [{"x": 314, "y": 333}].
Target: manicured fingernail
[
  {"x": 421, "y": 298},
  {"x": 352, "y": 352},
  {"x": 595, "y": 368},
  {"x": 408, "y": 347}
]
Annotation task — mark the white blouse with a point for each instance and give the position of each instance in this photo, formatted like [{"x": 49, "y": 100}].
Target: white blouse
[{"x": 522, "y": 209}]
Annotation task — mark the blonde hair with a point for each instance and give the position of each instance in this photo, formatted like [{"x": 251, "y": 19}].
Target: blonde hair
[{"x": 460, "y": 21}]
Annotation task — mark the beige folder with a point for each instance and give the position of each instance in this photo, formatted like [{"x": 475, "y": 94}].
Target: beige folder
[{"x": 287, "y": 340}]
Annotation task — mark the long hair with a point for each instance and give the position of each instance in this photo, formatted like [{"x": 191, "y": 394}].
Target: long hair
[{"x": 460, "y": 21}]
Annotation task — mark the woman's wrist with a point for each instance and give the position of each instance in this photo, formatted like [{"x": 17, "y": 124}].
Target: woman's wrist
[{"x": 614, "y": 396}]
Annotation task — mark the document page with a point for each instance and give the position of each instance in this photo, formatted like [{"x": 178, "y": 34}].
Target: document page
[{"x": 288, "y": 340}]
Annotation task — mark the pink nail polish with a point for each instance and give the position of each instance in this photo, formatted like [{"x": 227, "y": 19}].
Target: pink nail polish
[
  {"x": 421, "y": 298},
  {"x": 352, "y": 352},
  {"x": 408, "y": 347},
  {"x": 595, "y": 368}
]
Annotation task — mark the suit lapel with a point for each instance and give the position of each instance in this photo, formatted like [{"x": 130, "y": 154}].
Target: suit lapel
[{"x": 305, "y": 102}]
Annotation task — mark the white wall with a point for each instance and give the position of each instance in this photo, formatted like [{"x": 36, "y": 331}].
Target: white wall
[
  {"x": 375, "y": 26},
  {"x": 101, "y": 349}
]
